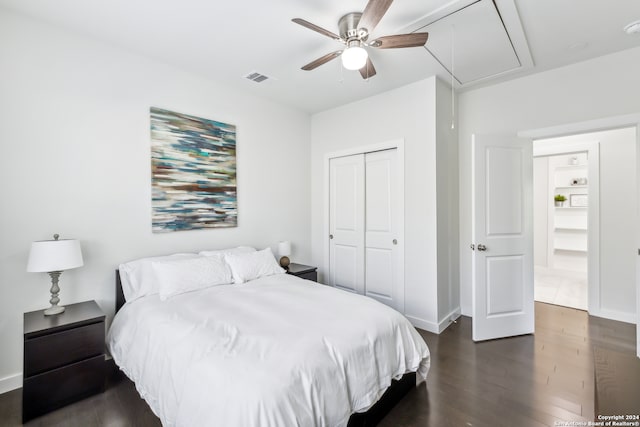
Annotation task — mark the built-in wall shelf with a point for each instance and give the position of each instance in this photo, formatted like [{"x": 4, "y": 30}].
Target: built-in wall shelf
[
  {"x": 572, "y": 228},
  {"x": 569, "y": 224},
  {"x": 570, "y": 249},
  {"x": 569, "y": 167}
]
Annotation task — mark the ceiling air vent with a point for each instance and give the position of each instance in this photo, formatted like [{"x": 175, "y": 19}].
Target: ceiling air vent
[{"x": 256, "y": 77}]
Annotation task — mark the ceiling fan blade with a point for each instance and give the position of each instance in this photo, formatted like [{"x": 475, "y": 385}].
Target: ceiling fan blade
[
  {"x": 322, "y": 60},
  {"x": 315, "y": 28},
  {"x": 368, "y": 70},
  {"x": 373, "y": 13},
  {"x": 400, "y": 40}
]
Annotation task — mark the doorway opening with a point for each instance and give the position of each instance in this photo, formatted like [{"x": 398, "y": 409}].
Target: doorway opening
[
  {"x": 560, "y": 224},
  {"x": 614, "y": 271}
]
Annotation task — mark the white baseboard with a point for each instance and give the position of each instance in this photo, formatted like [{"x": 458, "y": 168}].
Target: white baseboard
[
  {"x": 448, "y": 319},
  {"x": 11, "y": 382},
  {"x": 423, "y": 324},
  {"x": 615, "y": 315},
  {"x": 433, "y": 327}
]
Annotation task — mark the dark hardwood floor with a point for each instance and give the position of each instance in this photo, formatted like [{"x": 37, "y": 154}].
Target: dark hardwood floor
[
  {"x": 530, "y": 380},
  {"x": 617, "y": 382},
  {"x": 522, "y": 381}
]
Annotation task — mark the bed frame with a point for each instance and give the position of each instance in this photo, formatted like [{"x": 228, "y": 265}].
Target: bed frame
[{"x": 396, "y": 391}]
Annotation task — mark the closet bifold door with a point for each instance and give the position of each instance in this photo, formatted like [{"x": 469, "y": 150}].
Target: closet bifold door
[
  {"x": 365, "y": 232},
  {"x": 346, "y": 223},
  {"x": 384, "y": 278}
]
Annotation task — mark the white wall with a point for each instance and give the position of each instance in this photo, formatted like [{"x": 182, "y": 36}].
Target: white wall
[
  {"x": 540, "y": 210},
  {"x": 602, "y": 87},
  {"x": 447, "y": 205},
  {"x": 407, "y": 113},
  {"x": 76, "y": 161}
]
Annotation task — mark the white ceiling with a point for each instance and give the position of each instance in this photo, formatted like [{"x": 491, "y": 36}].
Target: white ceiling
[{"x": 226, "y": 40}]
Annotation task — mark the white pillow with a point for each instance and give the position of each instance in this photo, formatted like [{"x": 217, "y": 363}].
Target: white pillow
[
  {"x": 185, "y": 275},
  {"x": 250, "y": 266},
  {"x": 138, "y": 278},
  {"x": 238, "y": 250}
]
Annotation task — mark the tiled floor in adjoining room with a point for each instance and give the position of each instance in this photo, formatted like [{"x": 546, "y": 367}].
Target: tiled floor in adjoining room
[{"x": 561, "y": 287}]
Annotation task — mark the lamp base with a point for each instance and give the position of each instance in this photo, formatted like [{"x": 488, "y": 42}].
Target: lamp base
[
  {"x": 54, "y": 309},
  {"x": 55, "y": 290},
  {"x": 284, "y": 262}
]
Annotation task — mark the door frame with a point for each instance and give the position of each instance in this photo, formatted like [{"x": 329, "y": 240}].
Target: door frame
[
  {"x": 607, "y": 123},
  {"x": 397, "y": 144},
  {"x": 592, "y": 148}
]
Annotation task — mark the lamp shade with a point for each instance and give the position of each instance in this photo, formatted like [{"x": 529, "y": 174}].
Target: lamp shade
[
  {"x": 284, "y": 248},
  {"x": 54, "y": 255}
]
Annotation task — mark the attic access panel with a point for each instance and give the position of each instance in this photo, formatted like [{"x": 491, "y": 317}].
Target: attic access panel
[{"x": 482, "y": 47}]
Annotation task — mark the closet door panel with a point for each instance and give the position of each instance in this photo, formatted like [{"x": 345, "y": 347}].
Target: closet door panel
[
  {"x": 345, "y": 269},
  {"x": 379, "y": 182},
  {"x": 379, "y": 274},
  {"x": 346, "y": 223},
  {"x": 381, "y": 224}
]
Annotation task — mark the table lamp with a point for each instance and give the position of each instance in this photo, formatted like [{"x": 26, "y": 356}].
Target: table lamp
[
  {"x": 53, "y": 257},
  {"x": 284, "y": 250}
]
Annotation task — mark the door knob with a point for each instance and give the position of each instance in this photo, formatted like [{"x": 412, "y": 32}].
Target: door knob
[
  {"x": 482, "y": 247},
  {"x": 395, "y": 242},
  {"x": 330, "y": 236}
]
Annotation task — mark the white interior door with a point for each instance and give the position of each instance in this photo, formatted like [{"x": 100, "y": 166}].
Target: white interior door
[
  {"x": 503, "y": 237},
  {"x": 384, "y": 275},
  {"x": 346, "y": 223}
]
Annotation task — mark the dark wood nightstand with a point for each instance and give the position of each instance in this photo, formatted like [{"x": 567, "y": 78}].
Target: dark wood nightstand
[
  {"x": 303, "y": 271},
  {"x": 63, "y": 358}
]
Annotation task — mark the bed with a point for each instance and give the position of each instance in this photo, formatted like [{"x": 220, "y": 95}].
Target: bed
[{"x": 274, "y": 351}]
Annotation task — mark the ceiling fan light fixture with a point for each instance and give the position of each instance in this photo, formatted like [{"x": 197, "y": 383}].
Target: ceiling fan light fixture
[
  {"x": 354, "y": 29},
  {"x": 354, "y": 56}
]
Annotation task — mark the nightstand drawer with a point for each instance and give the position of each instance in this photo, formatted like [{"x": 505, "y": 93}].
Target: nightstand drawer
[
  {"x": 312, "y": 275},
  {"x": 303, "y": 271},
  {"x": 61, "y": 348},
  {"x": 54, "y": 389}
]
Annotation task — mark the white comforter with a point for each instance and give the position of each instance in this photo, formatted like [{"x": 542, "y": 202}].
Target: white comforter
[{"x": 277, "y": 351}]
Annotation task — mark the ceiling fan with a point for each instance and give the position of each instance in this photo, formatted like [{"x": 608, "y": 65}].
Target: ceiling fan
[{"x": 354, "y": 31}]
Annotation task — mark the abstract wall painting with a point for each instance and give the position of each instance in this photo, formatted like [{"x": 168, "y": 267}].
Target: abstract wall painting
[{"x": 193, "y": 172}]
